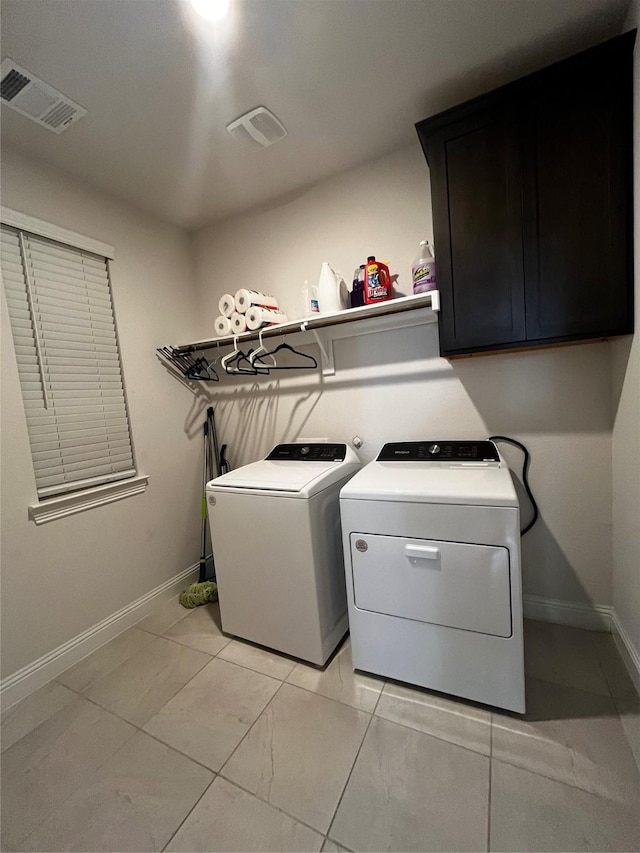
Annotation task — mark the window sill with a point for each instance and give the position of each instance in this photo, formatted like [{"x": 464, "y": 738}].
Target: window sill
[{"x": 65, "y": 505}]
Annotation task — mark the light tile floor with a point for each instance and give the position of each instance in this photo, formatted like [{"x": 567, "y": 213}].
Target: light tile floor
[{"x": 175, "y": 737}]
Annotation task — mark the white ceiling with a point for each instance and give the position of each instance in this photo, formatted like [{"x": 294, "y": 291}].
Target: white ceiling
[{"x": 348, "y": 78}]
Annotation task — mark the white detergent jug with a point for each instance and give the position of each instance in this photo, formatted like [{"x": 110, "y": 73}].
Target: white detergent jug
[{"x": 328, "y": 290}]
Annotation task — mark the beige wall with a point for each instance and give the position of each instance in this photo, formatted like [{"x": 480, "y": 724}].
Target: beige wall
[
  {"x": 63, "y": 577},
  {"x": 394, "y": 386},
  {"x": 626, "y": 428}
]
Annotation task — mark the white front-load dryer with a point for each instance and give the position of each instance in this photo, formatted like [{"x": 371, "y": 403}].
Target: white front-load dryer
[
  {"x": 431, "y": 538},
  {"x": 275, "y": 529}
]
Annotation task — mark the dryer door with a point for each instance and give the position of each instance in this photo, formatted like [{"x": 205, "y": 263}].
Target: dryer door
[{"x": 445, "y": 583}]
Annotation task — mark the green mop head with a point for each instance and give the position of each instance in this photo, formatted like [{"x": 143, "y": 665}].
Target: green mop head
[{"x": 198, "y": 593}]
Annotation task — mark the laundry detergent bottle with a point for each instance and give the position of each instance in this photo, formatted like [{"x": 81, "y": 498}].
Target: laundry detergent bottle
[
  {"x": 377, "y": 282},
  {"x": 328, "y": 290},
  {"x": 357, "y": 294}
]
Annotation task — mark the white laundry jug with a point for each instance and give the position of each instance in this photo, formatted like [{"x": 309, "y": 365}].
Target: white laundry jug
[{"x": 328, "y": 290}]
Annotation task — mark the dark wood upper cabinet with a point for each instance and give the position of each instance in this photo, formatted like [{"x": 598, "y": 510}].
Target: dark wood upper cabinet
[{"x": 532, "y": 206}]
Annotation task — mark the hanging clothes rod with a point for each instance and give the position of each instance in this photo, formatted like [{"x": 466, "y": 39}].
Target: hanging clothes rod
[{"x": 320, "y": 321}]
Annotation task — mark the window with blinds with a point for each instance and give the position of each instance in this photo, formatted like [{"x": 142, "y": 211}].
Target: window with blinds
[{"x": 64, "y": 332}]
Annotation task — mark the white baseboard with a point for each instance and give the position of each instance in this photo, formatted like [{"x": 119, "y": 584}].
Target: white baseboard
[
  {"x": 628, "y": 652},
  {"x": 593, "y": 617},
  {"x": 23, "y": 682}
]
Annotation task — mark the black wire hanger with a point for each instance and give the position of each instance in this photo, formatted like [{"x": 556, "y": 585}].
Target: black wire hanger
[
  {"x": 309, "y": 361},
  {"x": 234, "y": 365},
  {"x": 190, "y": 367}
]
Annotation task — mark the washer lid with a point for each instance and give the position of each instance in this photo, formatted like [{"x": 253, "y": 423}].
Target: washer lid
[
  {"x": 463, "y": 483},
  {"x": 295, "y": 477}
]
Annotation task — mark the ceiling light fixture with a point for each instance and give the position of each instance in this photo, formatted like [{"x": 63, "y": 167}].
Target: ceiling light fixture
[{"x": 211, "y": 10}]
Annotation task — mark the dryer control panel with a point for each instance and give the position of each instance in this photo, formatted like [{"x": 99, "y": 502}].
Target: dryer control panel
[
  {"x": 439, "y": 451},
  {"x": 309, "y": 452}
]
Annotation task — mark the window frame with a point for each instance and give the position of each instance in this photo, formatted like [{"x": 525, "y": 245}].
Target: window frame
[{"x": 59, "y": 506}]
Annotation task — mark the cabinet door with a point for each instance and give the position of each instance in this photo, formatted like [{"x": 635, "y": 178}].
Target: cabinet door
[
  {"x": 477, "y": 209},
  {"x": 577, "y": 201}
]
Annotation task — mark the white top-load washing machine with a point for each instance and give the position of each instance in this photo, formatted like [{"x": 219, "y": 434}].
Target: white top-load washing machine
[
  {"x": 431, "y": 537},
  {"x": 275, "y": 529}
]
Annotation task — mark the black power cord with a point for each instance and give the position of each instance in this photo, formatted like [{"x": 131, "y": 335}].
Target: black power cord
[{"x": 525, "y": 468}]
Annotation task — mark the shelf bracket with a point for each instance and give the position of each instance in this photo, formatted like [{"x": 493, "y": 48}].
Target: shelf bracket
[
  {"x": 327, "y": 363},
  {"x": 435, "y": 300}
]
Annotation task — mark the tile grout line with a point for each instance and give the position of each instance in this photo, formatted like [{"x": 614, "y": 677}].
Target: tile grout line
[
  {"x": 213, "y": 657},
  {"x": 357, "y": 755},
  {"x": 141, "y": 730},
  {"x": 188, "y": 814},
  {"x": 199, "y": 764},
  {"x": 75, "y": 790},
  {"x": 312, "y": 693},
  {"x": 283, "y": 681},
  {"x": 337, "y": 843},
  {"x": 126, "y": 660},
  {"x": 606, "y": 798},
  {"x": 268, "y": 802},
  {"x": 258, "y": 796},
  {"x": 253, "y": 793},
  {"x": 616, "y": 698},
  {"x": 245, "y": 735},
  {"x": 333, "y": 698},
  {"x": 299, "y": 686},
  {"x": 435, "y": 737},
  {"x": 420, "y": 731},
  {"x": 173, "y": 695},
  {"x": 252, "y": 669},
  {"x": 606, "y": 695},
  {"x": 216, "y": 773},
  {"x": 271, "y": 805}
]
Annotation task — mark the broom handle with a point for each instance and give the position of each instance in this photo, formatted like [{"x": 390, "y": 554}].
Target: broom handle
[{"x": 215, "y": 460}]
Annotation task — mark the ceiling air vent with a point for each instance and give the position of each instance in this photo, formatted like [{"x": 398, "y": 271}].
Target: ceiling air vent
[
  {"x": 258, "y": 128},
  {"x": 35, "y": 99}
]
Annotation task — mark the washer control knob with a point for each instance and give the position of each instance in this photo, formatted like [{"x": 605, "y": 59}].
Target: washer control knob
[
  {"x": 304, "y": 451},
  {"x": 434, "y": 449}
]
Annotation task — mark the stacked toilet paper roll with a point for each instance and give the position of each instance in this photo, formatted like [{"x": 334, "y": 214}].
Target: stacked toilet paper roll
[
  {"x": 235, "y": 312},
  {"x": 227, "y": 305},
  {"x": 223, "y": 325},
  {"x": 238, "y": 323},
  {"x": 259, "y": 317},
  {"x": 245, "y": 299}
]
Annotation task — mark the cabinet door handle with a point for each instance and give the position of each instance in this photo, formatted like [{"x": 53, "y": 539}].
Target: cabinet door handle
[{"x": 421, "y": 552}]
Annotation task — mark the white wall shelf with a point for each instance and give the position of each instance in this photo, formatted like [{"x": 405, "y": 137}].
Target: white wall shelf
[{"x": 382, "y": 316}]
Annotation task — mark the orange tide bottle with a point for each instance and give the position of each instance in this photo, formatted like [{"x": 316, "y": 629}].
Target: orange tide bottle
[{"x": 377, "y": 281}]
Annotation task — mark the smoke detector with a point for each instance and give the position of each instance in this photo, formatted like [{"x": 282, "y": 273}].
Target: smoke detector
[
  {"x": 258, "y": 128},
  {"x": 35, "y": 99}
]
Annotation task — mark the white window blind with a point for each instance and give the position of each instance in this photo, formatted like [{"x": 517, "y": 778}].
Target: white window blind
[{"x": 65, "y": 340}]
